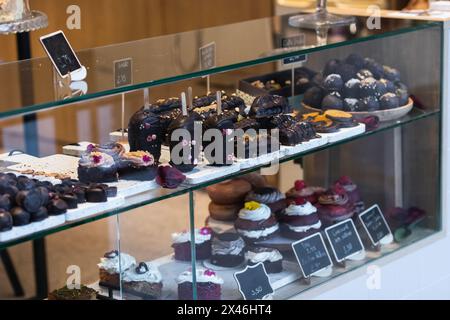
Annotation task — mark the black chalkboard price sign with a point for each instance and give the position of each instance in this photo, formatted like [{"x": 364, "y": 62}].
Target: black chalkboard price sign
[
  {"x": 208, "y": 56},
  {"x": 253, "y": 282},
  {"x": 344, "y": 239},
  {"x": 123, "y": 72},
  {"x": 375, "y": 224},
  {"x": 312, "y": 255},
  {"x": 297, "y": 41}
]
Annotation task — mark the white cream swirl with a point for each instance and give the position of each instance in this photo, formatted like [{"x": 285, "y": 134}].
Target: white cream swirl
[
  {"x": 263, "y": 256},
  {"x": 152, "y": 275},
  {"x": 260, "y": 214},
  {"x": 203, "y": 276},
  {"x": 300, "y": 210},
  {"x": 183, "y": 237},
  {"x": 111, "y": 265},
  {"x": 316, "y": 226},
  {"x": 227, "y": 248},
  {"x": 259, "y": 233}
]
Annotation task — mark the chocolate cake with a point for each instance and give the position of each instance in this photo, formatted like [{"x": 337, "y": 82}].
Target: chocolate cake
[
  {"x": 189, "y": 149},
  {"x": 146, "y": 132},
  {"x": 269, "y": 105},
  {"x": 228, "y": 250},
  {"x": 221, "y": 123}
]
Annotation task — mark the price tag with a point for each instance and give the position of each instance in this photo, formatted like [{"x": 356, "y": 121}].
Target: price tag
[
  {"x": 312, "y": 255},
  {"x": 123, "y": 72},
  {"x": 253, "y": 282},
  {"x": 344, "y": 239},
  {"x": 375, "y": 224},
  {"x": 208, "y": 56},
  {"x": 294, "y": 42}
]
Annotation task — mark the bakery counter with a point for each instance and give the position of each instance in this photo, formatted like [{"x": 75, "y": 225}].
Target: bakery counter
[{"x": 133, "y": 194}]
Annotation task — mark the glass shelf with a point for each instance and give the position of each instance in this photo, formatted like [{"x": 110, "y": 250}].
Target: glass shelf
[
  {"x": 29, "y": 86},
  {"x": 161, "y": 194}
]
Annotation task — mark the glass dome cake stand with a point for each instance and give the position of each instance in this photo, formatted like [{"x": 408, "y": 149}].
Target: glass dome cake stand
[
  {"x": 321, "y": 18},
  {"x": 36, "y": 20},
  {"x": 18, "y": 17}
]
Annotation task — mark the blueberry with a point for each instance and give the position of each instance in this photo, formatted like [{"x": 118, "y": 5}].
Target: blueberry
[
  {"x": 352, "y": 105},
  {"x": 356, "y": 60},
  {"x": 332, "y": 102},
  {"x": 331, "y": 67},
  {"x": 346, "y": 71},
  {"x": 313, "y": 97},
  {"x": 391, "y": 73},
  {"x": 380, "y": 89},
  {"x": 364, "y": 74},
  {"x": 333, "y": 82},
  {"x": 352, "y": 88},
  {"x": 374, "y": 67},
  {"x": 389, "y": 101},
  {"x": 390, "y": 86},
  {"x": 403, "y": 97},
  {"x": 368, "y": 87},
  {"x": 369, "y": 104}
]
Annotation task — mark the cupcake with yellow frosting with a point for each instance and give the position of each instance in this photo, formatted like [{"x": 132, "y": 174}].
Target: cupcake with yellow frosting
[{"x": 256, "y": 222}]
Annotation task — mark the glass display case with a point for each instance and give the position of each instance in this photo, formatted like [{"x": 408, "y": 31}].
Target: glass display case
[{"x": 349, "y": 147}]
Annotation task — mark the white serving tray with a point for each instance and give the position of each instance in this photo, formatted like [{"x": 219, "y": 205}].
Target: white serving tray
[
  {"x": 20, "y": 232},
  {"x": 89, "y": 209},
  {"x": 345, "y": 133},
  {"x": 305, "y": 146}
]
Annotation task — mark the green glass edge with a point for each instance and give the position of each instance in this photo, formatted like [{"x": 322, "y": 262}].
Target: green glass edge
[
  {"x": 184, "y": 190},
  {"x": 153, "y": 83}
]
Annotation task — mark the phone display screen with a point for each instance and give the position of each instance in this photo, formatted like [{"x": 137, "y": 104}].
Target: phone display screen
[{"x": 61, "y": 53}]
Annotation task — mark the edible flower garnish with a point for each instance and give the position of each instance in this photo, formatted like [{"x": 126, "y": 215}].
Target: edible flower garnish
[{"x": 252, "y": 206}]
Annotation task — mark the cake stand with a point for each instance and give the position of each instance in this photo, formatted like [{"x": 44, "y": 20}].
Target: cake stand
[{"x": 36, "y": 20}]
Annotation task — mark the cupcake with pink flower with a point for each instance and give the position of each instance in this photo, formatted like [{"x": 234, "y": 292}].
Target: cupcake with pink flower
[
  {"x": 97, "y": 167},
  {"x": 138, "y": 166},
  {"x": 181, "y": 243},
  {"x": 209, "y": 285}
]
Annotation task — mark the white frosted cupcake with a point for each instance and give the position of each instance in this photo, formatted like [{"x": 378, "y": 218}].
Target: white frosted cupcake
[
  {"x": 300, "y": 220},
  {"x": 209, "y": 285},
  {"x": 256, "y": 222}
]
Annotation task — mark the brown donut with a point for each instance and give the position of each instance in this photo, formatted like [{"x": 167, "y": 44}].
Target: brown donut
[
  {"x": 222, "y": 212},
  {"x": 230, "y": 192},
  {"x": 255, "y": 179}
]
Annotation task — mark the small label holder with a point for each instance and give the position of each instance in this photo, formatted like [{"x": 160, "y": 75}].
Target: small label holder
[
  {"x": 296, "y": 41},
  {"x": 325, "y": 250},
  {"x": 246, "y": 282},
  {"x": 354, "y": 231},
  {"x": 123, "y": 72},
  {"x": 375, "y": 243}
]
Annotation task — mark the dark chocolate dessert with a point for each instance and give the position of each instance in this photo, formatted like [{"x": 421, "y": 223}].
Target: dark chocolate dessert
[
  {"x": 6, "y": 221},
  {"x": 185, "y": 141},
  {"x": 20, "y": 217},
  {"x": 219, "y": 150},
  {"x": 97, "y": 167},
  {"x": 228, "y": 250},
  {"x": 267, "y": 106},
  {"x": 146, "y": 132}
]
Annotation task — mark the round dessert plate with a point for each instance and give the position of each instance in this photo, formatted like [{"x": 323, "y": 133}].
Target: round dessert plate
[
  {"x": 209, "y": 265},
  {"x": 383, "y": 115},
  {"x": 37, "y": 20}
]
